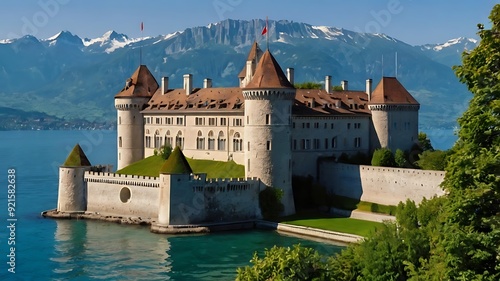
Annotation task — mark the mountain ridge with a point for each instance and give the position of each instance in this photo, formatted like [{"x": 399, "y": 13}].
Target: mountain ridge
[{"x": 73, "y": 80}]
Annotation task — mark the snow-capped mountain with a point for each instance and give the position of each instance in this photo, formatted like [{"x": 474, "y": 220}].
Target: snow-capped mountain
[
  {"x": 448, "y": 53},
  {"x": 67, "y": 76}
]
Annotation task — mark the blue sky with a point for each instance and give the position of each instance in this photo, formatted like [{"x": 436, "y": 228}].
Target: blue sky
[{"x": 412, "y": 21}]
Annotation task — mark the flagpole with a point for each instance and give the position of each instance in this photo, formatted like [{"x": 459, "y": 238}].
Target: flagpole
[
  {"x": 140, "y": 46},
  {"x": 267, "y": 32}
]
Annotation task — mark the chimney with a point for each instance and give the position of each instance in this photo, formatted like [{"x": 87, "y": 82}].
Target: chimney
[
  {"x": 188, "y": 83},
  {"x": 328, "y": 84},
  {"x": 312, "y": 103},
  {"x": 164, "y": 85},
  {"x": 207, "y": 83},
  {"x": 344, "y": 85},
  {"x": 369, "y": 88},
  {"x": 290, "y": 75},
  {"x": 249, "y": 73}
]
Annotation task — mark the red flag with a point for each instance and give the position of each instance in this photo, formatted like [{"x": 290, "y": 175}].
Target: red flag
[
  {"x": 264, "y": 31},
  {"x": 142, "y": 26}
]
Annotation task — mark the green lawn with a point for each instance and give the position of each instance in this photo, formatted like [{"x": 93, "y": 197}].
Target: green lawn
[
  {"x": 347, "y": 203},
  {"x": 345, "y": 225},
  {"x": 214, "y": 169}
]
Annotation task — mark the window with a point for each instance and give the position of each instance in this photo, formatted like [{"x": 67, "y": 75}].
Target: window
[
  {"x": 294, "y": 144},
  {"x": 332, "y": 126},
  {"x": 357, "y": 125},
  {"x": 179, "y": 140},
  {"x": 168, "y": 121},
  {"x": 308, "y": 125},
  {"x": 180, "y": 121},
  {"x": 237, "y": 142},
  {"x": 120, "y": 142},
  {"x": 326, "y": 143},
  {"x": 158, "y": 120},
  {"x": 237, "y": 122},
  {"x": 316, "y": 125},
  {"x": 316, "y": 144},
  {"x": 334, "y": 142},
  {"x": 293, "y": 125},
  {"x": 248, "y": 146},
  {"x": 200, "y": 141},
  {"x": 268, "y": 145},
  {"x": 268, "y": 119},
  {"x": 357, "y": 142},
  {"x": 119, "y": 120},
  {"x": 396, "y": 125},
  {"x": 325, "y": 126},
  {"x": 248, "y": 119},
  {"x": 199, "y": 121},
  {"x": 158, "y": 139},
  {"x": 221, "y": 141},
  {"x": 212, "y": 121},
  {"x": 148, "y": 141},
  {"x": 211, "y": 140},
  {"x": 308, "y": 144},
  {"x": 303, "y": 144},
  {"x": 248, "y": 165},
  {"x": 348, "y": 126},
  {"x": 223, "y": 121},
  {"x": 168, "y": 139}
]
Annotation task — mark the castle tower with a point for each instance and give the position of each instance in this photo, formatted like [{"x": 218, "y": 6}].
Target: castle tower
[
  {"x": 174, "y": 195},
  {"x": 268, "y": 105},
  {"x": 394, "y": 116},
  {"x": 130, "y": 125},
  {"x": 72, "y": 195},
  {"x": 248, "y": 70}
]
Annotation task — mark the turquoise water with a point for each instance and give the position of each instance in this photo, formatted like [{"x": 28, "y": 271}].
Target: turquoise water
[{"x": 48, "y": 249}]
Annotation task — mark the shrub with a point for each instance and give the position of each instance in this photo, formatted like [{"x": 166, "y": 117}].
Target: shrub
[
  {"x": 270, "y": 203},
  {"x": 433, "y": 160},
  {"x": 383, "y": 157},
  {"x": 400, "y": 159}
]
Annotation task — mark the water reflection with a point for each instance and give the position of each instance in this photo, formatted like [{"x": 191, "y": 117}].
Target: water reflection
[{"x": 97, "y": 250}]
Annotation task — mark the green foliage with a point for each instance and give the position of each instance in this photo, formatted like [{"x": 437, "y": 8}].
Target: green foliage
[
  {"x": 280, "y": 263},
  {"x": 76, "y": 158},
  {"x": 383, "y": 157},
  {"x": 359, "y": 158},
  {"x": 400, "y": 159},
  {"x": 337, "y": 88},
  {"x": 308, "y": 85},
  {"x": 164, "y": 151},
  {"x": 433, "y": 160},
  {"x": 270, "y": 203},
  {"x": 424, "y": 142},
  {"x": 176, "y": 163}
]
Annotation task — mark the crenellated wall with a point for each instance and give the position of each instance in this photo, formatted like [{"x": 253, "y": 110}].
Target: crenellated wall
[
  {"x": 382, "y": 185},
  {"x": 174, "y": 199},
  {"x": 190, "y": 200}
]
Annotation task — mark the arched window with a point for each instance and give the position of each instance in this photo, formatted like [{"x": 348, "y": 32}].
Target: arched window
[
  {"x": 221, "y": 141},
  {"x": 200, "y": 141},
  {"x": 168, "y": 139},
  {"x": 237, "y": 142},
  {"x": 158, "y": 139},
  {"x": 211, "y": 141},
  {"x": 179, "y": 140}
]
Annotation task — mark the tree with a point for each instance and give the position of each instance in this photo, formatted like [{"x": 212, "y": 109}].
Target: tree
[
  {"x": 400, "y": 158},
  {"x": 473, "y": 173},
  {"x": 424, "y": 142},
  {"x": 433, "y": 160},
  {"x": 308, "y": 85},
  {"x": 383, "y": 157}
]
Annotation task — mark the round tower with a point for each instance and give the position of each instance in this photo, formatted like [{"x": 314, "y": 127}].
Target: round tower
[
  {"x": 129, "y": 103},
  {"x": 394, "y": 116},
  {"x": 268, "y": 104},
  {"x": 72, "y": 194}
]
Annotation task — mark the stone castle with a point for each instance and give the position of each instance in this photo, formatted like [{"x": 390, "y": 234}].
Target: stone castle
[{"x": 265, "y": 124}]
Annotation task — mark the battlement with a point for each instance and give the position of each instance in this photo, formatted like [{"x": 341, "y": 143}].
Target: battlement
[
  {"x": 112, "y": 178},
  {"x": 226, "y": 185}
]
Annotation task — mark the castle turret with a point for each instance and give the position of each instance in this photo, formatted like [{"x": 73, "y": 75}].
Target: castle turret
[
  {"x": 394, "y": 116},
  {"x": 72, "y": 195},
  {"x": 129, "y": 102},
  {"x": 248, "y": 70},
  {"x": 268, "y": 104},
  {"x": 174, "y": 194}
]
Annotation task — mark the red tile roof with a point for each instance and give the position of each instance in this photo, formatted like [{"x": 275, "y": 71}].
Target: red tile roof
[
  {"x": 268, "y": 74},
  {"x": 141, "y": 84},
  {"x": 390, "y": 91}
]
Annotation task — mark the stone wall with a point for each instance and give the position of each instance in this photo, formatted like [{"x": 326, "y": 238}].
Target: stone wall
[
  {"x": 381, "y": 185},
  {"x": 122, "y": 195},
  {"x": 190, "y": 200}
]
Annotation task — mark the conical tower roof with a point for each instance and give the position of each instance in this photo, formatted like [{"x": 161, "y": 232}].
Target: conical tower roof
[
  {"x": 254, "y": 55},
  {"x": 268, "y": 74},
  {"x": 141, "y": 84},
  {"x": 176, "y": 163},
  {"x": 77, "y": 158},
  {"x": 390, "y": 91}
]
